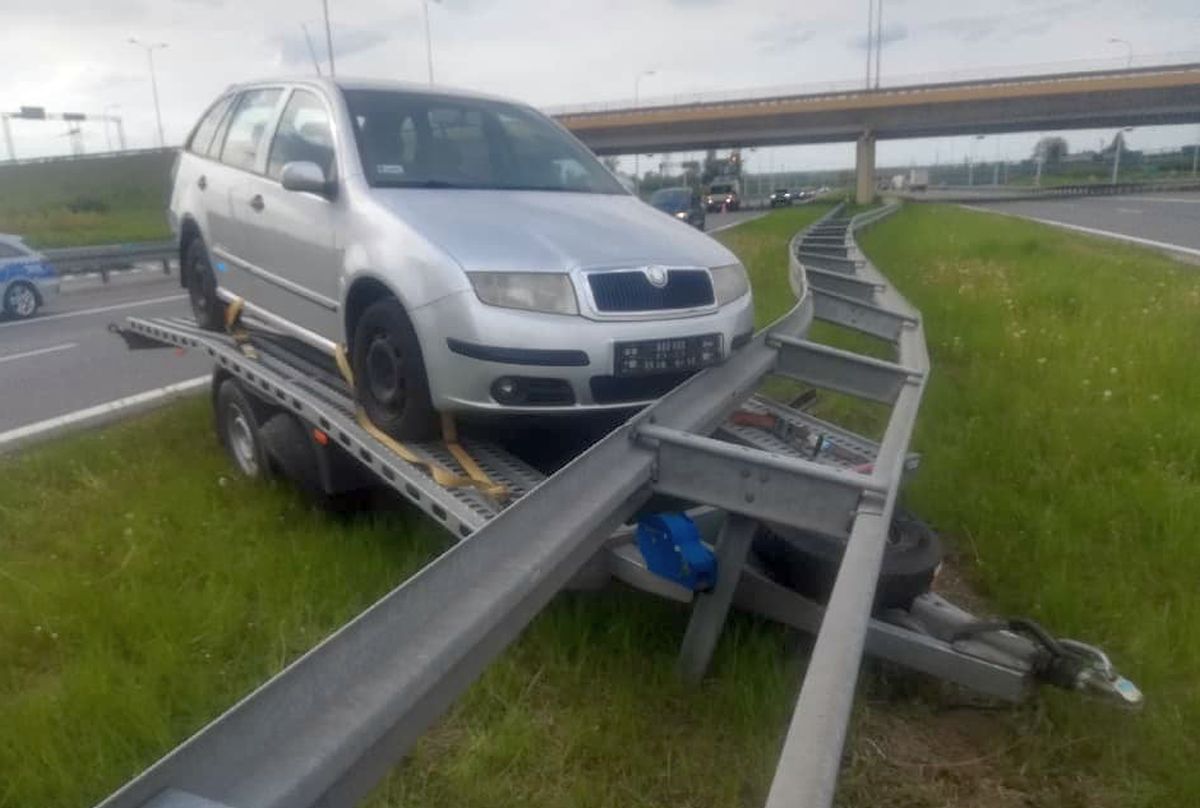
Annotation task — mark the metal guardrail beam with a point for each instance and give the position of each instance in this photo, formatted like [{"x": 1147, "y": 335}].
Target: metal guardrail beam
[
  {"x": 327, "y": 728},
  {"x": 111, "y": 257}
]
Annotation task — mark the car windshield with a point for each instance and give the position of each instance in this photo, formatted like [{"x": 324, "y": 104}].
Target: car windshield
[
  {"x": 720, "y": 189},
  {"x": 671, "y": 198},
  {"x": 421, "y": 140}
]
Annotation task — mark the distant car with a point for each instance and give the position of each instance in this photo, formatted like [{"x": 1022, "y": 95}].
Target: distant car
[
  {"x": 722, "y": 195},
  {"x": 465, "y": 254},
  {"x": 27, "y": 280},
  {"x": 781, "y": 198},
  {"x": 682, "y": 203}
]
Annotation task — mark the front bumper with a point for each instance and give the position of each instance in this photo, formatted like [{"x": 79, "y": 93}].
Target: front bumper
[
  {"x": 47, "y": 288},
  {"x": 573, "y": 349}
]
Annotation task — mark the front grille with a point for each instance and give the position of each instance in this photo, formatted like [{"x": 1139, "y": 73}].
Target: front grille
[
  {"x": 619, "y": 389},
  {"x": 631, "y": 291}
]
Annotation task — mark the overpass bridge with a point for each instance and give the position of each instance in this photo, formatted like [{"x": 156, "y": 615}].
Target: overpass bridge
[{"x": 1166, "y": 94}]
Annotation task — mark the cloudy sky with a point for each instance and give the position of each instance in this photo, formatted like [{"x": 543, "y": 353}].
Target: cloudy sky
[{"x": 73, "y": 55}]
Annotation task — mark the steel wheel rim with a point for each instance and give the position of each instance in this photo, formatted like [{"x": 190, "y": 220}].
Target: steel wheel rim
[
  {"x": 241, "y": 441},
  {"x": 385, "y": 375}
]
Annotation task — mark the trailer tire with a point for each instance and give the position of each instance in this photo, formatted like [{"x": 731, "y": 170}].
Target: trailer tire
[
  {"x": 808, "y": 562},
  {"x": 207, "y": 307},
  {"x": 389, "y": 372},
  {"x": 238, "y": 430}
]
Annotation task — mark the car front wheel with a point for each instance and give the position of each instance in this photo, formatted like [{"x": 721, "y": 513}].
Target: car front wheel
[
  {"x": 21, "y": 301},
  {"x": 389, "y": 372}
]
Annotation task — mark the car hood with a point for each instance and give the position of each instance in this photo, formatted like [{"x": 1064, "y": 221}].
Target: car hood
[{"x": 549, "y": 231}]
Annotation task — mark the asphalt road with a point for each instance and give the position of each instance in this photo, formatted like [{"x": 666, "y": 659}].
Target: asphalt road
[
  {"x": 64, "y": 360},
  {"x": 1170, "y": 218}
]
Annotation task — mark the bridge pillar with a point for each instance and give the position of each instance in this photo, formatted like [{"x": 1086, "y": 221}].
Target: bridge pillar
[{"x": 865, "y": 169}]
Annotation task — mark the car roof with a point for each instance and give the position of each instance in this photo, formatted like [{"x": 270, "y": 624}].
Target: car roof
[{"x": 349, "y": 83}]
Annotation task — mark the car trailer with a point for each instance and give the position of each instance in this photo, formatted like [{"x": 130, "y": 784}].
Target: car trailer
[{"x": 764, "y": 484}]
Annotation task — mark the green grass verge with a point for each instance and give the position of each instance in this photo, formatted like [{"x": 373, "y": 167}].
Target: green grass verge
[
  {"x": 143, "y": 588},
  {"x": 70, "y": 203},
  {"x": 1062, "y": 449}
]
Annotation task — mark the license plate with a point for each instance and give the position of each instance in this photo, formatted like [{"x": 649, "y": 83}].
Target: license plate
[{"x": 667, "y": 355}]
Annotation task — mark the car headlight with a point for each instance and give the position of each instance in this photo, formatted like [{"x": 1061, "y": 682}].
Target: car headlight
[
  {"x": 682, "y": 214},
  {"x": 729, "y": 283},
  {"x": 533, "y": 291}
]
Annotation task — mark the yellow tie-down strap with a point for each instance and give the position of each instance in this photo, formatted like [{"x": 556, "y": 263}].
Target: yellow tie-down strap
[
  {"x": 476, "y": 477},
  {"x": 233, "y": 325}
]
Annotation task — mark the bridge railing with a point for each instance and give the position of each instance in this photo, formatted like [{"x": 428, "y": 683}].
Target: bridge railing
[{"x": 1148, "y": 63}]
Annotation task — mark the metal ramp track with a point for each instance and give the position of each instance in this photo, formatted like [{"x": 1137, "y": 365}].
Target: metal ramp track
[{"x": 327, "y": 728}]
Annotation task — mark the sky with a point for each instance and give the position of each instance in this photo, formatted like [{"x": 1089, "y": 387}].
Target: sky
[{"x": 74, "y": 55}]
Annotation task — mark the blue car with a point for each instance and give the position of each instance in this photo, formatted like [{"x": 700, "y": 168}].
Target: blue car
[{"x": 27, "y": 280}]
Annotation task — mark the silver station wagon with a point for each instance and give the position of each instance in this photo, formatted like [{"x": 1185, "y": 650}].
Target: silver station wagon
[{"x": 467, "y": 253}]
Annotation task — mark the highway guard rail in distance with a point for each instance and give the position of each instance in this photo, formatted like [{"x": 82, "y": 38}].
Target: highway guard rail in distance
[
  {"x": 1018, "y": 193},
  {"x": 107, "y": 258},
  {"x": 326, "y": 729}
]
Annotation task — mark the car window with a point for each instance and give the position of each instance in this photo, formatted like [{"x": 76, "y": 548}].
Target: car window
[
  {"x": 9, "y": 251},
  {"x": 202, "y": 137},
  {"x": 248, "y": 127},
  {"x": 304, "y": 134},
  {"x": 422, "y": 140},
  {"x": 670, "y": 196}
]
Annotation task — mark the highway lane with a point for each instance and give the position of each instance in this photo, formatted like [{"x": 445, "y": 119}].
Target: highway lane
[
  {"x": 64, "y": 360},
  {"x": 1170, "y": 218},
  {"x": 715, "y": 222}
]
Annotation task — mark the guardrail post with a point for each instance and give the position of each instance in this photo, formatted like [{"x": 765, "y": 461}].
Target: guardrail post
[
  {"x": 711, "y": 608},
  {"x": 166, "y": 264}
]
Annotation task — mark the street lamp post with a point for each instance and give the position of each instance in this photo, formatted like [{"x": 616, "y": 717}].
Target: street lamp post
[
  {"x": 1118, "y": 147},
  {"x": 428, "y": 40},
  {"x": 637, "y": 83},
  {"x": 971, "y": 160},
  {"x": 150, "y": 48},
  {"x": 1113, "y": 40}
]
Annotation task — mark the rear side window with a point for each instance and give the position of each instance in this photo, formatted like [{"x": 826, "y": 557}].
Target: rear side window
[
  {"x": 248, "y": 128},
  {"x": 202, "y": 138},
  {"x": 304, "y": 134},
  {"x": 9, "y": 251}
]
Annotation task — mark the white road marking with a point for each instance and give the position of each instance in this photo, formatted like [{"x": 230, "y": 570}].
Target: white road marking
[
  {"x": 1145, "y": 242},
  {"x": 52, "y": 427},
  {"x": 1174, "y": 200},
  {"x": 98, "y": 310},
  {"x": 1130, "y": 210},
  {"x": 66, "y": 346},
  {"x": 735, "y": 224}
]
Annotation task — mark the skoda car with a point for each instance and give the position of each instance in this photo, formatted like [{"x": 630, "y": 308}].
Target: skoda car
[
  {"x": 466, "y": 252},
  {"x": 27, "y": 280}
]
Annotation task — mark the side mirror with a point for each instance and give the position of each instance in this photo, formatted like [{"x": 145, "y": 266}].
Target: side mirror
[{"x": 305, "y": 176}]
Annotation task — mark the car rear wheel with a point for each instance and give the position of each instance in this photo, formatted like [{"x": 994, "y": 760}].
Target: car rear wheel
[
  {"x": 207, "y": 308},
  {"x": 21, "y": 301},
  {"x": 389, "y": 372}
]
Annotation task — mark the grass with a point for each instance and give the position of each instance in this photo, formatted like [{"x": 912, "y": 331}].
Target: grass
[
  {"x": 166, "y": 589},
  {"x": 1063, "y": 451},
  {"x": 87, "y": 201}
]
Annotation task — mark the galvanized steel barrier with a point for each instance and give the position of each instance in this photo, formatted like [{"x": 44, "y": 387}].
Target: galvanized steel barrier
[{"x": 331, "y": 725}]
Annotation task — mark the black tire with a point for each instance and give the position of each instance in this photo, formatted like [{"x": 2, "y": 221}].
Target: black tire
[
  {"x": 21, "y": 300},
  {"x": 808, "y": 563},
  {"x": 238, "y": 430},
  {"x": 207, "y": 308},
  {"x": 389, "y": 372}
]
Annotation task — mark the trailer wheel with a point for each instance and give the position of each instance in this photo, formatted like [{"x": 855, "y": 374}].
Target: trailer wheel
[
  {"x": 389, "y": 372},
  {"x": 238, "y": 431},
  {"x": 207, "y": 308},
  {"x": 808, "y": 563}
]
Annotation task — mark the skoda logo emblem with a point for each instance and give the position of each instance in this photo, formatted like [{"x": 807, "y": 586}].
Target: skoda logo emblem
[{"x": 657, "y": 276}]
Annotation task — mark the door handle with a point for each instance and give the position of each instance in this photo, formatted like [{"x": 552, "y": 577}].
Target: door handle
[
  {"x": 202, "y": 183},
  {"x": 256, "y": 202}
]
